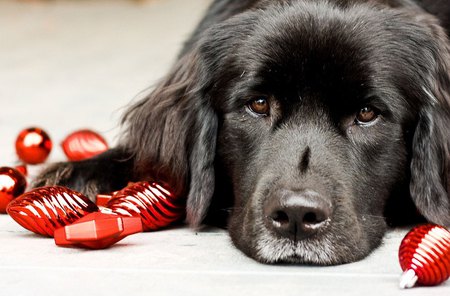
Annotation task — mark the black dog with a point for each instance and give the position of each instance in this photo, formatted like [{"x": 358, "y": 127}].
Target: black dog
[{"x": 311, "y": 122}]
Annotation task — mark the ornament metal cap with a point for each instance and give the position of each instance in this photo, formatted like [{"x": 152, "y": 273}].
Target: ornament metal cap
[{"x": 408, "y": 279}]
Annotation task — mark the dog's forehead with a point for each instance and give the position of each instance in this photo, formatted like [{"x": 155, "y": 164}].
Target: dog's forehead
[
  {"x": 300, "y": 32},
  {"x": 310, "y": 47},
  {"x": 294, "y": 53}
]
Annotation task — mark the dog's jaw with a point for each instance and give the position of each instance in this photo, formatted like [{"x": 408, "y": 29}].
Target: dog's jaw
[{"x": 346, "y": 237}]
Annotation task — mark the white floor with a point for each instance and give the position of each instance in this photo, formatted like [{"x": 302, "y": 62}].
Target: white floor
[{"x": 66, "y": 65}]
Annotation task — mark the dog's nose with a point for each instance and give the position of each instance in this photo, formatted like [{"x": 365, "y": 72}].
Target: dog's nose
[{"x": 297, "y": 215}]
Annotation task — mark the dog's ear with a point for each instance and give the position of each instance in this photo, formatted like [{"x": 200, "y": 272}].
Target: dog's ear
[
  {"x": 430, "y": 164},
  {"x": 172, "y": 132},
  {"x": 172, "y": 135}
]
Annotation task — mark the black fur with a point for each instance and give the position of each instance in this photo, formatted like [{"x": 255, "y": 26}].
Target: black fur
[{"x": 317, "y": 64}]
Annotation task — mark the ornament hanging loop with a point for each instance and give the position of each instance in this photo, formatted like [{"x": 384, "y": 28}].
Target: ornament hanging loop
[{"x": 408, "y": 279}]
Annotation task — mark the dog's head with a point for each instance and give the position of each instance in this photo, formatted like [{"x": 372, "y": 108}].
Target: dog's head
[{"x": 316, "y": 117}]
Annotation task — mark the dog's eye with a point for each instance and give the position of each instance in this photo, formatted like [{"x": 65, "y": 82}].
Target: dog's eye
[
  {"x": 259, "y": 106},
  {"x": 366, "y": 115}
]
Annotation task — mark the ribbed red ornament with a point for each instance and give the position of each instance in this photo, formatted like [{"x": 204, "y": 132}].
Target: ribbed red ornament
[
  {"x": 424, "y": 256},
  {"x": 45, "y": 209},
  {"x": 156, "y": 206},
  {"x": 83, "y": 144}
]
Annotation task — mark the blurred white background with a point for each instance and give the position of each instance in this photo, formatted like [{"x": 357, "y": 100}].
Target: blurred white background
[{"x": 66, "y": 65}]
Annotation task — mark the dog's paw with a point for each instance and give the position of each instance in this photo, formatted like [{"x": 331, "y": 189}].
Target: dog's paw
[{"x": 68, "y": 175}]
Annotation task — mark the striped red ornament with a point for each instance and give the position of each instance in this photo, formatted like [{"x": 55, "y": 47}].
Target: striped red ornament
[
  {"x": 83, "y": 144},
  {"x": 424, "y": 256},
  {"x": 45, "y": 209},
  {"x": 156, "y": 205}
]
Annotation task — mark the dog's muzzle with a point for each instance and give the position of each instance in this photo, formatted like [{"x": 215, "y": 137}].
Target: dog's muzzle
[{"x": 296, "y": 214}]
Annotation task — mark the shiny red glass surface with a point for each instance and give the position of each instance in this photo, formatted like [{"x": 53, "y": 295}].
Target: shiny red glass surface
[
  {"x": 103, "y": 199},
  {"x": 154, "y": 204},
  {"x": 45, "y": 209},
  {"x": 426, "y": 251},
  {"x": 83, "y": 144},
  {"x": 12, "y": 184},
  {"x": 22, "y": 169},
  {"x": 97, "y": 231},
  {"x": 33, "y": 145}
]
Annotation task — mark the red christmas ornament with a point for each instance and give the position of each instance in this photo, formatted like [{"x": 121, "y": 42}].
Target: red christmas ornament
[
  {"x": 156, "y": 206},
  {"x": 97, "y": 231},
  {"x": 22, "y": 169},
  {"x": 103, "y": 199},
  {"x": 83, "y": 144},
  {"x": 33, "y": 145},
  {"x": 12, "y": 184},
  {"x": 45, "y": 209},
  {"x": 424, "y": 256}
]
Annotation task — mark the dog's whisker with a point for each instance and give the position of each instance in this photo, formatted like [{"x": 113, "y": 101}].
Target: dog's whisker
[{"x": 373, "y": 216}]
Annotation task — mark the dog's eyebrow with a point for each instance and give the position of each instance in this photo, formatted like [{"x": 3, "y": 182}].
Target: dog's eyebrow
[{"x": 372, "y": 98}]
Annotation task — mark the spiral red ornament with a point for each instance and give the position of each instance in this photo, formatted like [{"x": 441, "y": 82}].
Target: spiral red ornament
[
  {"x": 83, "y": 144},
  {"x": 424, "y": 256},
  {"x": 156, "y": 205},
  {"x": 45, "y": 209}
]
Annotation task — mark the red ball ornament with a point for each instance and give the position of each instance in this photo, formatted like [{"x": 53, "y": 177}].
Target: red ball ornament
[
  {"x": 12, "y": 184},
  {"x": 45, "y": 209},
  {"x": 155, "y": 205},
  {"x": 424, "y": 256},
  {"x": 22, "y": 169},
  {"x": 33, "y": 145},
  {"x": 83, "y": 144},
  {"x": 97, "y": 231}
]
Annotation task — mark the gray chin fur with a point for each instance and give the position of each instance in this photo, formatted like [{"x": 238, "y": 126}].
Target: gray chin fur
[{"x": 273, "y": 250}]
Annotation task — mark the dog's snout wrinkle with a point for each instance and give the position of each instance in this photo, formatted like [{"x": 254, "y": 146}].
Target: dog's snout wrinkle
[
  {"x": 304, "y": 160},
  {"x": 296, "y": 215}
]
